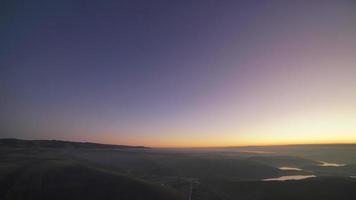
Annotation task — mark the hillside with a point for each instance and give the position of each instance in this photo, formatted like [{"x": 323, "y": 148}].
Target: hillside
[
  {"x": 39, "y": 172},
  {"x": 17, "y": 143},
  {"x": 65, "y": 179}
]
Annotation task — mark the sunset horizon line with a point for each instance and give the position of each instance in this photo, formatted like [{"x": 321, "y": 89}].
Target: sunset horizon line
[{"x": 196, "y": 146}]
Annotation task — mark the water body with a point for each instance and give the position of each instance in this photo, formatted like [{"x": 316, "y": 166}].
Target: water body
[
  {"x": 352, "y": 176},
  {"x": 292, "y": 177},
  {"x": 290, "y": 169},
  {"x": 256, "y": 152},
  {"x": 327, "y": 164}
]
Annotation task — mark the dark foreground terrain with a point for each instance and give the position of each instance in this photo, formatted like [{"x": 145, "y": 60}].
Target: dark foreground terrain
[{"x": 66, "y": 170}]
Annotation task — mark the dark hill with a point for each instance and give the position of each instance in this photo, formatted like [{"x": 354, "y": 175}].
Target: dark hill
[
  {"x": 17, "y": 143},
  {"x": 63, "y": 179}
]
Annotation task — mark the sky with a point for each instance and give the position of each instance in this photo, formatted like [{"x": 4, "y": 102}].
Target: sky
[{"x": 179, "y": 73}]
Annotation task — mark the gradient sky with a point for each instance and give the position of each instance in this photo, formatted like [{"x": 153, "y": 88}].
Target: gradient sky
[{"x": 179, "y": 73}]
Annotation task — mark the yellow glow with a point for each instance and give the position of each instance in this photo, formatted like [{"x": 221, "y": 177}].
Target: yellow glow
[{"x": 301, "y": 128}]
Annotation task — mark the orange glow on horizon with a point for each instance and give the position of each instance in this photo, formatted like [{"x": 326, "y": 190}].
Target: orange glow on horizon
[{"x": 214, "y": 143}]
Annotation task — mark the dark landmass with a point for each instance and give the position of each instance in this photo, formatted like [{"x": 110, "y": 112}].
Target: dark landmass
[
  {"x": 65, "y": 179},
  {"x": 35, "y": 170},
  {"x": 324, "y": 188},
  {"x": 280, "y": 161},
  {"x": 340, "y": 153},
  {"x": 17, "y": 143}
]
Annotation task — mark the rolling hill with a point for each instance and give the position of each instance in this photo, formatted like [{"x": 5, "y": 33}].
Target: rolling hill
[
  {"x": 65, "y": 179},
  {"x": 17, "y": 143}
]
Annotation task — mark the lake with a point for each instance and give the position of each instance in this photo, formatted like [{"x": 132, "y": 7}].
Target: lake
[
  {"x": 290, "y": 169},
  {"x": 327, "y": 164},
  {"x": 292, "y": 177}
]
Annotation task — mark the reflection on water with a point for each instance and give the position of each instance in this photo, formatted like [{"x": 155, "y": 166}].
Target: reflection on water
[
  {"x": 352, "y": 176},
  {"x": 292, "y": 177},
  {"x": 327, "y": 164},
  {"x": 290, "y": 169},
  {"x": 256, "y": 152}
]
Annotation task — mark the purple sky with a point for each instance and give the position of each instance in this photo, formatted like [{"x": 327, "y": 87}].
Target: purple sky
[{"x": 179, "y": 73}]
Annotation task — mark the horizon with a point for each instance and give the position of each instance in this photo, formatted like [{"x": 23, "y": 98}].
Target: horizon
[
  {"x": 179, "y": 73},
  {"x": 190, "y": 147}
]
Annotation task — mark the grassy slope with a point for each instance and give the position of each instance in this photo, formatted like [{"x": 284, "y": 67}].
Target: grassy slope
[
  {"x": 185, "y": 165},
  {"x": 39, "y": 178}
]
